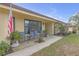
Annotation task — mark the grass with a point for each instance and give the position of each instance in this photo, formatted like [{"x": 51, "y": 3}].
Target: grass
[{"x": 53, "y": 49}]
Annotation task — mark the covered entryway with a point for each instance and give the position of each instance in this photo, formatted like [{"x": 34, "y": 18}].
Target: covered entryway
[
  {"x": 49, "y": 27},
  {"x": 35, "y": 27}
]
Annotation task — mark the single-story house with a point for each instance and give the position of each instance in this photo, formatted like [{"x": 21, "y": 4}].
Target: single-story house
[
  {"x": 72, "y": 28},
  {"x": 25, "y": 20}
]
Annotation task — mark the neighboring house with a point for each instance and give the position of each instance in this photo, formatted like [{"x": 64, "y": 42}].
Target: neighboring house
[
  {"x": 72, "y": 25},
  {"x": 71, "y": 28},
  {"x": 25, "y": 20}
]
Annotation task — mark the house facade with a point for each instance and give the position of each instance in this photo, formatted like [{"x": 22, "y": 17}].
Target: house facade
[
  {"x": 72, "y": 28},
  {"x": 24, "y": 21}
]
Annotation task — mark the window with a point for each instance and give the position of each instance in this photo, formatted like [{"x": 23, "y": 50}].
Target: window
[{"x": 31, "y": 24}]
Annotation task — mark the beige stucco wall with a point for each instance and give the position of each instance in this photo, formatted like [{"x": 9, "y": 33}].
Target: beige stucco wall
[
  {"x": 19, "y": 23},
  {"x": 3, "y": 24},
  {"x": 49, "y": 26},
  {"x": 43, "y": 26}
]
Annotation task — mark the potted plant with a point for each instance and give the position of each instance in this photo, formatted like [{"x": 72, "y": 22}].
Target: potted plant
[
  {"x": 15, "y": 38},
  {"x": 40, "y": 39},
  {"x": 4, "y": 48}
]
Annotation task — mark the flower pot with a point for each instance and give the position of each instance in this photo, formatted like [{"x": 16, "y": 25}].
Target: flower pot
[{"x": 16, "y": 44}]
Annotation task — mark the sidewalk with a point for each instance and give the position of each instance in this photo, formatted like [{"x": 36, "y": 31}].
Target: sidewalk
[{"x": 30, "y": 50}]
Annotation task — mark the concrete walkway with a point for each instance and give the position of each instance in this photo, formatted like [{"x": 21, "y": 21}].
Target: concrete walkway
[{"x": 30, "y": 50}]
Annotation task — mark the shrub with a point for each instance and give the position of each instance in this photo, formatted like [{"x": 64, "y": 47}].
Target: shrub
[
  {"x": 4, "y": 48},
  {"x": 14, "y": 39},
  {"x": 15, "y": 36},
  {"x": 40, "y": 40}
]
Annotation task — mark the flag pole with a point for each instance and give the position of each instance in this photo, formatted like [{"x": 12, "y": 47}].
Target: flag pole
[
  {"x": 10, "y": 26},
  {"x": 10, "y": 21}
]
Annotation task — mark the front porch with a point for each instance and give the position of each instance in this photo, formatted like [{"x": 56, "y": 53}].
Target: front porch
[{"x": 25, "y": 24}]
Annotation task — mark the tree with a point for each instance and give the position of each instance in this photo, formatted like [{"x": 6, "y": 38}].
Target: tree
[
  {"x": 62, "y": 29},
  {"x": 74, "y": 21}
]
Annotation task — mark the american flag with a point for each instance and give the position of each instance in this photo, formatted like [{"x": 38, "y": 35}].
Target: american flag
[{"x": 10, "y": 21}]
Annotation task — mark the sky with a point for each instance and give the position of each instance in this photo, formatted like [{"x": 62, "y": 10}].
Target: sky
[{"x": 59, "y": 11}]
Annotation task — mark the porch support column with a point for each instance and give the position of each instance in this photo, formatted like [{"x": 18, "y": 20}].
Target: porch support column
[
  {"x": 43, "y": 26},
  {"x": 53, "y": 28}
]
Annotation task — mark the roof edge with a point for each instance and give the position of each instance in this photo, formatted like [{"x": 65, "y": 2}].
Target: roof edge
[{"x": 30, "y": 11}]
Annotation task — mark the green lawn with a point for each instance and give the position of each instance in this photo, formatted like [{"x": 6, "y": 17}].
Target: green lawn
[{"x": 69, "y": 45}]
